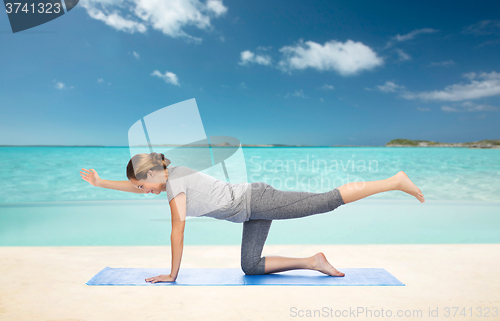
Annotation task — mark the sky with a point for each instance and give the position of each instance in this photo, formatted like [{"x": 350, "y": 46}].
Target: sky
[{"x": 266, "y": 72}]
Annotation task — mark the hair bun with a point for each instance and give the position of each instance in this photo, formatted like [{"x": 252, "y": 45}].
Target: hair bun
[
  {"x": 159, "y": 159},
  {"x": 156, "y": 157}
]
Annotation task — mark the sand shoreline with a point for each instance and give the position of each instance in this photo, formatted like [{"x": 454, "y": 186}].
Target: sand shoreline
[{"x": 48, "y": 283}]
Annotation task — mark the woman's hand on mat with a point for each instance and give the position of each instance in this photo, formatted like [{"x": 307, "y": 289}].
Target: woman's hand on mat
[
  {"x": 90, "y": 176},
  {"x": 161, "y": 278}
]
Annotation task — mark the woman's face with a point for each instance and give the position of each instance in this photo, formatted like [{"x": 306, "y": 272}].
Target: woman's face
[{"x": 155, "y": 182}]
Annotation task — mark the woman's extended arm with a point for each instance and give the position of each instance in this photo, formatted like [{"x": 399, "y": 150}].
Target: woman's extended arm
[
  {"x": 92, "y": 177},
  {"x": 178, "y": 210}
]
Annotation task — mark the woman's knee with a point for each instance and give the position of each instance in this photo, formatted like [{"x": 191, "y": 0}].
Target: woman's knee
[
  {"x": 337, "y": 199},
  {"x": 252, "y": 266}
]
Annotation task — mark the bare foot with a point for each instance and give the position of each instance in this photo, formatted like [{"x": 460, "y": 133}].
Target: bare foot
[
  {"x": 407, "y": 186},
  {"x": 321, "y": 264}
]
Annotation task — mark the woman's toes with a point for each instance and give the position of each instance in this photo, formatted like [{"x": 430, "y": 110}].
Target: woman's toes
[{"x": 338, "y": 273}]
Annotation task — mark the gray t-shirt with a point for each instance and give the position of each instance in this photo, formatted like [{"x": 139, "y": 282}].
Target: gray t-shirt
[{"x": 208, "y": 196}]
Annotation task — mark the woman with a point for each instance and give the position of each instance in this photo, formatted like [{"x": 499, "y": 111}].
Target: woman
[{"x": 192, "y": 193}]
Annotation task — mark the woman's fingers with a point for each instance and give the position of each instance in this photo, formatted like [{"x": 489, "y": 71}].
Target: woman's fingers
[
  {"x": 87, "y": 172},
  {"x": 89, "y": 175},
  {"x": 161, "y": 278}
]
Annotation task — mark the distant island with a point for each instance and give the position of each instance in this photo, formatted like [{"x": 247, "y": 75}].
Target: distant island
[
  {"x": 486, "y": 143},
  {"x": 400, "y": 142}
]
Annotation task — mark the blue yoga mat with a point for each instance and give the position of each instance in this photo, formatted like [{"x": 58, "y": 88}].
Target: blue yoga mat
[{"x": 214, "y": 276}]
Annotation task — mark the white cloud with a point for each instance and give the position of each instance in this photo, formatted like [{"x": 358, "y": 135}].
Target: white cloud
[
  {"x": 249, "y": 57},
  {"x": 409, "y": 36},
  {"x": 243, "y": 85},
  {"x": 448, "y": 109},
  {"x": 167, "y": 16},
  {"x": 403, "y": 56},
  {"x": 136, "y": 55},
  {"x": 390, "y": 87},
  {"x": 100, "y": 81},
  {"x": 485, "y": 27},
  {"x": 169, "y": 77},
  {"x": 297, "y": 93},
  {"x": 443, "y": 63},
  {"x": 264, "y": 48},
  {"x": 470, "y": 75},
  {"x": 468, "y": 106},
  {"x": 412, "y": 34},
  {"x": 100, "y": 10},
  {"x": 480, "y": 86},
  {"x": 216, "y": 7},
  {"x": 60, "y": 85},
  {"x": 327, "y": 87},
  {"x": 346, "y": 58},
  {"x": 321, "y": 99}
]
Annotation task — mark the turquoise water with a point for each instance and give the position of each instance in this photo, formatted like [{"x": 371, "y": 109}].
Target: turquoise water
[
  {"x": 45, "y": 201},
  {"x": 86, "y": 223},
  {"x": 48, "y": 174}
]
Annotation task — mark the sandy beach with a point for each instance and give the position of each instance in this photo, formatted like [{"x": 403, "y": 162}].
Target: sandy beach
[{"x": 48, "y": 283}]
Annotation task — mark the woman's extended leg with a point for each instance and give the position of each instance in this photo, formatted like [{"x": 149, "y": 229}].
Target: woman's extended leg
[{"x": 357, "y": 190}]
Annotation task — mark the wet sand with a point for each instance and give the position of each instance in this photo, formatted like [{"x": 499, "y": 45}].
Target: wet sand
[{"x": 48, "y": 283}]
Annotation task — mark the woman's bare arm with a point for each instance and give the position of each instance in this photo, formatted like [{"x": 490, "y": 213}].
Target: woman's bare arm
[
  {"x": 178, "y": 210},
  {"x": 124, "y": 186},
  {"x": 92, "y": 177}
]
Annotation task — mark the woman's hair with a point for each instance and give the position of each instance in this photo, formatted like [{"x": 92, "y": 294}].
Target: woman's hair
[{"x": 140, "y": 164}]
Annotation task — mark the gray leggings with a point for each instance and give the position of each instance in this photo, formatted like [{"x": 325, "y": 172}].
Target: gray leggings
[{"x": 267, "y": 204}]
